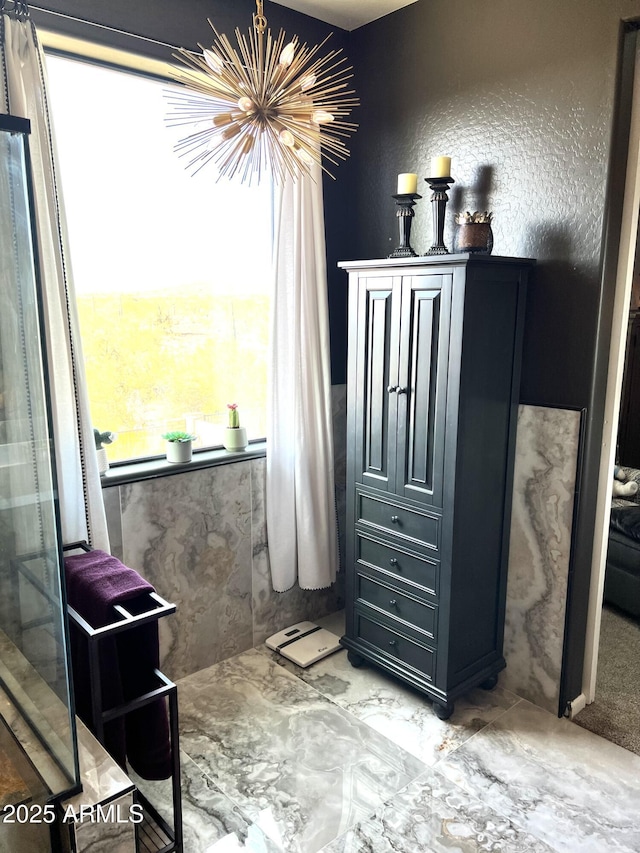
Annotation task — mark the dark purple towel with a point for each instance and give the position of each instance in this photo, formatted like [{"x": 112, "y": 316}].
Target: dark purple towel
[{"x": 95, "y": 582}]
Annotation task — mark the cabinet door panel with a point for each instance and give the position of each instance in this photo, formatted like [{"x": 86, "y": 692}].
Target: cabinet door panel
[
  {"x": 377, "y": 372},
  {"x": 426, "y": 308}
]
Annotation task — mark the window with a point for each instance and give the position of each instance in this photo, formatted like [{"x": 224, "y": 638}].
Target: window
[{"x": 171, "y": 270}]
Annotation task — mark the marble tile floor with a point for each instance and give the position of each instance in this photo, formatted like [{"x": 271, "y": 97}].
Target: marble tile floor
[{"x": 343, "y": 760}]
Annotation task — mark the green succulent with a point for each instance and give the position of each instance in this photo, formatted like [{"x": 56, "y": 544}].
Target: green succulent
[
  {"x": 101, "y": 438},
  {"x": 178, "y": 435}
]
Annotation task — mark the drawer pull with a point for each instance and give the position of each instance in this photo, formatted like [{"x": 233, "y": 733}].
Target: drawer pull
[
  {"x": 401, "y": 390},
  {"x": 393, "y": 561},
  {"x": 392, "y": 642},
  {"x": 393, "y": 602},
  {"x": 395, "y": 519},
  {"x": 391, "y": 389}
]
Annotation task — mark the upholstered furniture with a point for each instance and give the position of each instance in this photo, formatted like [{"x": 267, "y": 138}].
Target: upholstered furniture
[{"x": 622, "y": 579}]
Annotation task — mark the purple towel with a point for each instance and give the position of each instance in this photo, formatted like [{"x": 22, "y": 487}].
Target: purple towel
[{"x": 95, "y": 582}]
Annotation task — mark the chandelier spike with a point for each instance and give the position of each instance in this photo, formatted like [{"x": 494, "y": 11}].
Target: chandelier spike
[{"x": 267, "y": 103}]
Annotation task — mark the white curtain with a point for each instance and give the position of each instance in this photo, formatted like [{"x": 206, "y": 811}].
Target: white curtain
[
  {"x": 301, "y": 515},
  {"x": 23, "y": 93}
]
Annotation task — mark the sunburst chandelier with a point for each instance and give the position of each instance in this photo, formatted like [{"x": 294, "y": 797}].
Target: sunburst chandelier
[{"x": 269, "y": 106}]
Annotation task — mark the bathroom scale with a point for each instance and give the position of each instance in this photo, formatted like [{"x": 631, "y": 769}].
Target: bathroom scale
[{"x": 304, "y": 643}]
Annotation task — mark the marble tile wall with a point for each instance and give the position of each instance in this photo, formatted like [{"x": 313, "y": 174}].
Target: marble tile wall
[
  {"x": 547, "y": 449},
  {"x": 200, "y": 538}
]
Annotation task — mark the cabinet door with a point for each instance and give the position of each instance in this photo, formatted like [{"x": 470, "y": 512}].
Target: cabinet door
[
  {"x": 421, "y": 396},
  {"x": 376, "y": 374}
]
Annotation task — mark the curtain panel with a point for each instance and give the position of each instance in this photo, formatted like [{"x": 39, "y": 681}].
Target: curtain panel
[
  {"x": 301, "y": 513},
  {"x": 23, "y": 93}
]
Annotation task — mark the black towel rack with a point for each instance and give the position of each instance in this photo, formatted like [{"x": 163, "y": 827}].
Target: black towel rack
[{"x": 154, "y": 834}]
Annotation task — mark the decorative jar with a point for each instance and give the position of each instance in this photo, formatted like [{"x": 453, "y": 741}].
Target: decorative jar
[{"x": 474, "y": 233}]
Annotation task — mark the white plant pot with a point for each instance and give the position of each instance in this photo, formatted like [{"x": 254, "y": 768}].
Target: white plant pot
[
  {"x": 235, "y": 438},
  {"x": 103, "y": 462},
  {"x": 179, "y": 451}
]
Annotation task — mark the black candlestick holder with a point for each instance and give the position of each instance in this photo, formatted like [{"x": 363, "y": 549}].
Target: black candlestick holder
[
  {"x": 405, "y": 203},
  {"x": 439, "y": 199}
]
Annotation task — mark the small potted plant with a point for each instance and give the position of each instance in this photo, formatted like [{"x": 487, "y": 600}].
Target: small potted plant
[
  {"x": 102, "y": 438},
  {"x": 179, "y": 445},
  {"x": 235, "y": 436}
]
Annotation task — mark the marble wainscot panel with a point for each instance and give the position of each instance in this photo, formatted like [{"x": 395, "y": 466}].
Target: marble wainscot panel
[
  {"x": 200, "y": 538},
  {"x": 190, "y": 536},
  {"x": 273, "y": 611},
  {"x": 111, "y": 498},
  {"x": 558, "y": 782},
  {"x": 547, "y": 448}
]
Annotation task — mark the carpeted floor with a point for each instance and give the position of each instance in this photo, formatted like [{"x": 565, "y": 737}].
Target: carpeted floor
[{"x": 615, "y": 714}]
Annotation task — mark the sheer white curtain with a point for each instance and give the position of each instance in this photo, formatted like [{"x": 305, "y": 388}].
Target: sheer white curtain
[
  {"x": 23, "y": 93},
  {"x": 301, "y": 516}
]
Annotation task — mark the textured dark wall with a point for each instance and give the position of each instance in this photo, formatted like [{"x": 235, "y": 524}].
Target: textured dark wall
[{"x": 520, "y": 94}]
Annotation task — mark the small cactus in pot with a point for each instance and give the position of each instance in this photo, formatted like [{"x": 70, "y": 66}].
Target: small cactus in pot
[
  {"x": 235, "y": 436},
  {"x": 102, "y": 438},
  {"x": 234, "y": 416}
]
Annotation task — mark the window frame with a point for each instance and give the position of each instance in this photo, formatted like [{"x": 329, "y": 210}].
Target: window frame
[{"x": 80, "y": 49}]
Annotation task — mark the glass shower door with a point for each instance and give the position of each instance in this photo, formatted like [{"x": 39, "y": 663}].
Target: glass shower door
[{"x": 35, "y": 694}]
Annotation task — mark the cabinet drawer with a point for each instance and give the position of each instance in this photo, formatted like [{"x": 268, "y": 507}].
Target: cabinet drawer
[
  {"x": 400, "y": 520},
  {"x": 396, "y": 646},
  {"x": 396, "y": 604},
  {"x": 409, "y": 567}
]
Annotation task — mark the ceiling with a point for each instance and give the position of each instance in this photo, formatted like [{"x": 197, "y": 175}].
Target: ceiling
[{"x": 347, "y": 14}]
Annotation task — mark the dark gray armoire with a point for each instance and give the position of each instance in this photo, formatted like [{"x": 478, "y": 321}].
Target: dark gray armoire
[{"x": 433, "y": 381}]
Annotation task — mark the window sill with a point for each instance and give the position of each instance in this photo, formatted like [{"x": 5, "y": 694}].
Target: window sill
[{"x": 151, "y": 469}]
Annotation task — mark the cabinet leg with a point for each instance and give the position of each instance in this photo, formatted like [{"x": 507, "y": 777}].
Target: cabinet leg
[
  {"x": 354, "y": 659},
  {"x": 443, "y": 712},
  {"x": 489, "y": 683}
]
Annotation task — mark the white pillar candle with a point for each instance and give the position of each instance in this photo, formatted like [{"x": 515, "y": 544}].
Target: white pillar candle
[
  {"x": 440, "y": 167},
  {"x": 407, "y": 183}
]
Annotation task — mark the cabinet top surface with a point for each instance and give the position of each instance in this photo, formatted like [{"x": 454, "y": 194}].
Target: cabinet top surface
[{"x": 435, "y": 260}]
